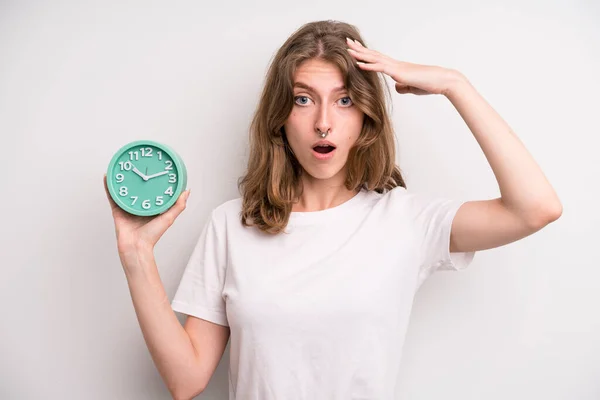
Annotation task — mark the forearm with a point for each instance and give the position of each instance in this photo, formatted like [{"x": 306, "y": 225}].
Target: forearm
[
  {"x": 168, "y": 343},
  {"x": 523, "y": 186}
]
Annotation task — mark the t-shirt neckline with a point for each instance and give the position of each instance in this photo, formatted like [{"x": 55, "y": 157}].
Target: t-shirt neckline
[{"x": 303, "y": 217}]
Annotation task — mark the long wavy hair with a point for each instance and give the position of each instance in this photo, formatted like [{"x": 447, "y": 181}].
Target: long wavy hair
[{"x": 272, "y": 184}]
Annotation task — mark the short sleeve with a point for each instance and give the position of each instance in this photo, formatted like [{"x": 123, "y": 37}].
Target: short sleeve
[
  {"x": 434, "y": 217},
  {"x": 200, "y": 291}
]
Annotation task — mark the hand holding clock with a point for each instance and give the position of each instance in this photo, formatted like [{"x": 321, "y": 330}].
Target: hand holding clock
[
  {"x": 143, "y": 211},
  {"x": 137, "y": 233}
]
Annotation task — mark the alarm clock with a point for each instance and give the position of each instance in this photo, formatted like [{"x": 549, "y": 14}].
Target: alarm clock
[{"x": 145, "y": 178}]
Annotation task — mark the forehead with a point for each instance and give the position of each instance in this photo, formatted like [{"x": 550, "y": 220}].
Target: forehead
[{"x": 319, "y": 74}]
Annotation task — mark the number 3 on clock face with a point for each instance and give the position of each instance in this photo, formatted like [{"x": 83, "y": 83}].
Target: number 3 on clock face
[{"x": 146, "y": 177}]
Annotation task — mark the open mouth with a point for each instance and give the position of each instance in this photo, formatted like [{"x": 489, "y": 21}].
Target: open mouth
[{"x": 323, "y": 149}]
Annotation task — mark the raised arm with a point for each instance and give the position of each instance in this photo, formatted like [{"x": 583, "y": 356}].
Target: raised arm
[{"x": 527, "y": 201}]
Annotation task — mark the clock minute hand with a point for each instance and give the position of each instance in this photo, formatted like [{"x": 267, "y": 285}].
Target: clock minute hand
[
  {"x": 158, "y": 174},
  {"x": 137, "y": 171}
]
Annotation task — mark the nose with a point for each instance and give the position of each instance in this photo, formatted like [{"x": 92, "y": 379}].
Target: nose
[{"x": 323, "y": 122}]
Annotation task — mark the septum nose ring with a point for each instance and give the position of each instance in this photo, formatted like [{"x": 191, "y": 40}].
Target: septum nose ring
[{"x": 322, "y": 134}]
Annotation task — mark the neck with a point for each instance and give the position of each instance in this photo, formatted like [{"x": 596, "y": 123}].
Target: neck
[{"x": 321, "y": 194}]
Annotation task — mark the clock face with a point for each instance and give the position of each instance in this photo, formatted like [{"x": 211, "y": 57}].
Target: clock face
[{"x": 146, "y": 178}]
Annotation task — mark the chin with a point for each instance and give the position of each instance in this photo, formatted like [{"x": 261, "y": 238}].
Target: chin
[{"x": 323, "y": 174}]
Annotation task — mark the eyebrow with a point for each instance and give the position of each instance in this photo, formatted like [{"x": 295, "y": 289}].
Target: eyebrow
[{"x": 303, "y": 85}]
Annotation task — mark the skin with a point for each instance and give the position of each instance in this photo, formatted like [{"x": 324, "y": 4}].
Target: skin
[
  {"x": 527, "y": 201},
  {"x": 325, "y": 107},
  {"x": 186, "y": 357}
]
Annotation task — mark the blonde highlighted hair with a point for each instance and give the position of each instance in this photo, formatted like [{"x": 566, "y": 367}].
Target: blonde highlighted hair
[{"x": 272, "y": 181}]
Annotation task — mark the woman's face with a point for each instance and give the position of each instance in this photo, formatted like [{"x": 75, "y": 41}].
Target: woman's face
[{"x": 321, "y": 102}]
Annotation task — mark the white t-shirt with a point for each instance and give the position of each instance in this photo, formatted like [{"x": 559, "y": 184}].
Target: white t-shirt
[{"x": 321, "y": 311}]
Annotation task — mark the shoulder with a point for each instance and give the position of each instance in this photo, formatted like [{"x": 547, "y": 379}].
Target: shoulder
[
  {"x": 227, "y": 210},
  {"x": 394, "y": 199},
  {"x": 401, "y": 202},
  {"x": 222, "y": 217}
]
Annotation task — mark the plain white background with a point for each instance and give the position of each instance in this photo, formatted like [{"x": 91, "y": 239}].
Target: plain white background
[{"x": 80, "y": 79}]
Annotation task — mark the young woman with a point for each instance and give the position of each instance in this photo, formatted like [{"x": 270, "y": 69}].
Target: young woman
[{"x": 312, "y": 272}]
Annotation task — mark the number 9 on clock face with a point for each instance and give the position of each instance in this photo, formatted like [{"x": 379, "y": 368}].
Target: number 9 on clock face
[{"x": 145, "y": 177}]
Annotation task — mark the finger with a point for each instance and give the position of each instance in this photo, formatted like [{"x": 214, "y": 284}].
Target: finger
[
  {"x": 363, "y": 50},
  {"x": 363, "y": 56},
  {"x": 355, "y": 43},
  {"x": 168, "y": 218},
  {"x": 154, "y": 229},
  {"x": 113, "y": 205},
  {"x": 370, "y": 66},
  {"x": 352, "y": 43},
  {"x": 405, "y": 89},
  {"x": 358, "y": 46}
]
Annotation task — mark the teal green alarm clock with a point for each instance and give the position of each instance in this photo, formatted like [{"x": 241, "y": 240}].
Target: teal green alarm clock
[{"x": 145, "y": 178}]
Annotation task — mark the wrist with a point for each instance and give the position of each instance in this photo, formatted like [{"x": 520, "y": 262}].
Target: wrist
[
  {"x": 455, "y": 82},
  {"x": 138, "y": 258}
]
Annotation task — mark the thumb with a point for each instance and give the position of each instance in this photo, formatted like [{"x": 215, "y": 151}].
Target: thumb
[
  {"x": 158, "y": 226},
  {"x": 406, "y": 89}
]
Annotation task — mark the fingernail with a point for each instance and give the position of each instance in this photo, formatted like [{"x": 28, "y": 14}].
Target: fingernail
[{"x": 348, "y": 39}]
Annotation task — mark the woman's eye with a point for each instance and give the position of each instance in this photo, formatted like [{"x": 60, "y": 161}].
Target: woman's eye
[
  {"x": 304, "y": 100},
  {"x": 347, "y": 101}
]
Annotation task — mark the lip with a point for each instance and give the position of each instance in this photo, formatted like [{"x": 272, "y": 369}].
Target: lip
[
  {"x": 322, "y": 143},
  {"x": 323, "y": 156}
]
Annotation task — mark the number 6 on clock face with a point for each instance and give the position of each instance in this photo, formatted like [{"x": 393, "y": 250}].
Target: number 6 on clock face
[{"x": 146, "y": 177}]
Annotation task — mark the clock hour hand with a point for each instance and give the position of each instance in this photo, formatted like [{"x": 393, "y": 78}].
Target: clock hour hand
[
  {"x": 137, "y": 171},
  {"x": 158, "y": 174}
]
